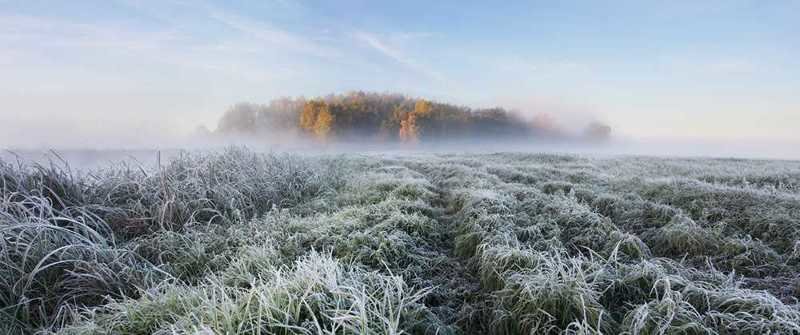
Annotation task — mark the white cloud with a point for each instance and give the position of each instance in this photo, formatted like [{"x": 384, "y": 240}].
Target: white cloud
[{"x": 34, "y": 42}]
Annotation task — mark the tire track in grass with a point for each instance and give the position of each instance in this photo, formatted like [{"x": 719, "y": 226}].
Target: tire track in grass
[
  {"x": 392, "y": 219},
  {"x": 487, "y": 242},
  {"x": 458, "y": 284},
  {"x": 513, "y": 259},
  {"x": 531, "y": 288}
]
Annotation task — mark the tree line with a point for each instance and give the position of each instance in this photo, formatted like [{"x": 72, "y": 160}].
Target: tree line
[{"x": 384, "y": 117}]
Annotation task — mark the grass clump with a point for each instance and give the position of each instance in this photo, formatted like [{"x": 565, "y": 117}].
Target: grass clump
[
  {"x": 668, "y": 313},
  {"x": 550, "y": 297},
  {"x": 316, "y": 295},
  {"x": 50, "y": 261}
]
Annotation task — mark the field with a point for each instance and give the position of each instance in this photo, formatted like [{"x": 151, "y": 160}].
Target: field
[{"x": 237, "y": 242}]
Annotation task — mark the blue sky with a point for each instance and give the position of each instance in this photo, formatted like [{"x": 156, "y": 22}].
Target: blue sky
[{"x": 123, "y": 70}]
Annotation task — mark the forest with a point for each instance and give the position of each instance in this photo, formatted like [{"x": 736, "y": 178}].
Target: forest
[{"x": 390, "y": 118}]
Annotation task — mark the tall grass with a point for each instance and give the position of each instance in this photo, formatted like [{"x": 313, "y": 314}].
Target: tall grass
[
  {"x": 317, "y": 295},
  {"x": 567, "y": 257},
  {"x": 65, "y": 236},
  {"x": 237, "y": 242},
  {"x": 51, "y": 259}
]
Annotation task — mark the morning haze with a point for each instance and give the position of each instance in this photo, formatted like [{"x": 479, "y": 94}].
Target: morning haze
[{"x": 145, "y": 74}]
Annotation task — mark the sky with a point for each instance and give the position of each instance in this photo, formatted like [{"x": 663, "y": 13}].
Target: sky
[{"x": 123, "y": 72}]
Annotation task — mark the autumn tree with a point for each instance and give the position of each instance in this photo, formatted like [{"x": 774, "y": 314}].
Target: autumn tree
[
  {"x": 422, "y": 107},
  {"x": 308, "y": 117},
  {"x": 317, "y": 118},
  {"x": 409, "y": 129},
  {"x": 409, "y": 133},
  {"x": 323, "y": 124}
]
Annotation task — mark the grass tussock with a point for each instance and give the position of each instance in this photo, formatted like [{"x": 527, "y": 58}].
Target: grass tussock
[{"x": 317, "y": 295}]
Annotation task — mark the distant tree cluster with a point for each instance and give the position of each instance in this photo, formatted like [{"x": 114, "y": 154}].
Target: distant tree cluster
[{"x": 383, "y": 117}]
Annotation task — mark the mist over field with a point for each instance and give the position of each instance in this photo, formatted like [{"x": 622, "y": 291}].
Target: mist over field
[
  {"x": 360, "y": 121},
  {"x": 366, "y": 122}
]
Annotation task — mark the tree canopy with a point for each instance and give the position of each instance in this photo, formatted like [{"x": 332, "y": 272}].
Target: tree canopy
[{"x": 384, "y": 117}]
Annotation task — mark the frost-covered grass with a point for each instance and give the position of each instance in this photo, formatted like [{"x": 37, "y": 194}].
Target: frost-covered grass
[{"x": 237, "y": 242}]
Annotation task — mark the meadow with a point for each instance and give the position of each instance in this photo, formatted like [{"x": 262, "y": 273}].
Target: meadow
[{"x": 239, "y": 242}]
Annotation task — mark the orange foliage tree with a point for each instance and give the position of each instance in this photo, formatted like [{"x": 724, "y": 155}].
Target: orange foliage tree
[
  {"x": 323, "y": 124},
  {"x": 409, "y": 132},
  {"x": 317, "y": 119}
]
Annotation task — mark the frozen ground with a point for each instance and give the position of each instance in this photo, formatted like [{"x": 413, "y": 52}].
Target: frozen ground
[{"x": 233, "y": 241}]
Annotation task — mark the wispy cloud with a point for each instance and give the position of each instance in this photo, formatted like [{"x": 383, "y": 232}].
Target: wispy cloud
[
  {"x": 383, "y": 47},
  {"x": 39, "y": 32},
  {"x": 274, "y": 38},
  {"x": 32, "y": 41},
  {"x": 244, "y": 33}
]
